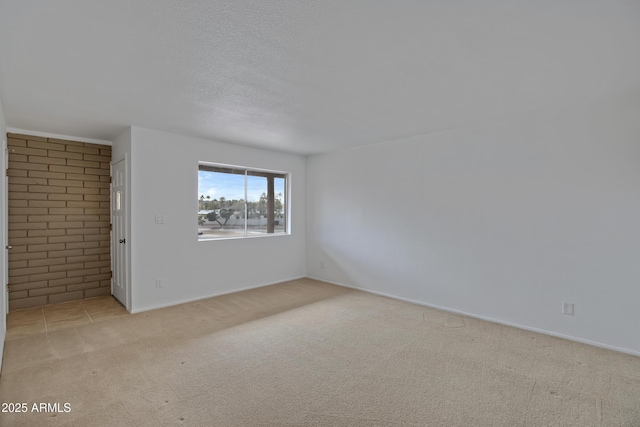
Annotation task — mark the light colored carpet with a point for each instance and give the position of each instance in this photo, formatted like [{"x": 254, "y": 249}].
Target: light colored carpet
[{"x": 306, "y": 353}]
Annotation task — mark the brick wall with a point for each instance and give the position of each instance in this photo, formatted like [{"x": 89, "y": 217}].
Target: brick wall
[{"x": 58, "y": 220}]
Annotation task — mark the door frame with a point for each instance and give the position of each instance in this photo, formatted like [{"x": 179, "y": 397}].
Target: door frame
[{"x": 125, "y": 226}]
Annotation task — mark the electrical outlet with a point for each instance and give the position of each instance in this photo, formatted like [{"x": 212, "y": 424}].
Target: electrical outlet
[
  {"x": 158, "y": 283},
  {"x": 568, "y": 308}
]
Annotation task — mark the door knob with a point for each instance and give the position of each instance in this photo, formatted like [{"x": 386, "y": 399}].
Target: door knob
[{"x": 9, "y": 247}]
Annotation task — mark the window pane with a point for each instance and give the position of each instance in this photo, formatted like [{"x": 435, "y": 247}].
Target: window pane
[
  {"x": 223, "y": 211},
  {"x": 221, "y": 204},
  {"x": 257, "y": 204}
]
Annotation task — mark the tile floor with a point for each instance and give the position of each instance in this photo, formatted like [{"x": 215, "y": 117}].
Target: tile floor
[{"x": 53, "y": 317}]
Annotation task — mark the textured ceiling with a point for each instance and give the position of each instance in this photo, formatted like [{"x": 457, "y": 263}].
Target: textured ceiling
[{"x": 307, "y": 76}]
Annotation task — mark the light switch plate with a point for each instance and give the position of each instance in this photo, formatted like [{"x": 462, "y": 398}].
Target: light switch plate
[{"x": 159, "y": 219}]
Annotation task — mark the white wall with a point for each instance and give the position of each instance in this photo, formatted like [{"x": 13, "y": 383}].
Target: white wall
[
  {"x": 163, "y": 179},
  {"x": 504, "y": 221},
  {"x": 3, "y": 238}
]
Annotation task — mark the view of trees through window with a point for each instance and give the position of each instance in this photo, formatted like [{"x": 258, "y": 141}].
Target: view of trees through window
[{"x": 236, "y": 202}]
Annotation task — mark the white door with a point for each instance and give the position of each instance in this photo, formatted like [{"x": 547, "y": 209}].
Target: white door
[{"x": 119, "y": 282}]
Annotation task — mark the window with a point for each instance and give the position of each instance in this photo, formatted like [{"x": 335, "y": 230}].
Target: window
[{"x": 239, "y": 202}]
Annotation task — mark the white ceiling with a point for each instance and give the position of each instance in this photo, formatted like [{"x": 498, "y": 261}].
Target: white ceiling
[{"x": 307, "y": 76}]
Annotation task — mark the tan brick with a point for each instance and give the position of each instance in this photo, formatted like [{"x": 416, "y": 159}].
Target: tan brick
[
  {"x": 99, "y": 146},
  {"x": 92, "y": 184},
  {"x": 17, "y": 172},
  {"x": 83, "y": 204},
  {"x": 47, "y": 160},
  {"x": 82, "y": 245},
  {"x": 46, "y": 189},
  {"x": 28, "y": 211},
  {"x": 74, "y": 190},
  {"x": 83, "y": 231},
  {"x": 16, "y": 219},
  {"x": 103, "y": 276},
  {"x": 97, "y": 197},
  {"x": 35, "y": 233},
  {"x": 46, "y": 262},
  {"x": 45, "y": 145},
  {"x": 66, "y": 183},
  {"x": 46, "y": 218},
  {"x": 65, "y": 239},
  {"x": 84, "y": 272},
  {"x": 17, "y": 233},
  {"x": 47, "y": 203},
  {"x": 28, "y": 285},
  {"x": 13, "y": 225},
  {"x": 84, "y": 150},
  {"x": 46, "y": 247},
  {"x": 27, "y": 196},
  {"x": 105, "y": 205},
  {"x": 65, "y": 281},
  {"x": 106, "y": 282},
  {"x": 16, "y": 142},
  {"x": 47, "y": 291},
  {"x": 13, "y": 157},
  {"x": 28, "y": 271},
  {"x": 48, "y": 276},
  {"x": 27, "y": 241},
  {"x": 105, "y": 178},
  {"x": 26, "y": 255},
  {"x": 90, "y": 293},
  {"x": 21, "y": 188},
  {"x": 83, "y": 177},
  {"x": 25, "y": 137},
  {"x": 28, "y": 166},
  {"x": 91, "y": 171},
  {"x": 29, "y": 151},
  {"x": 66, "y": 211},
  {"x": 83, "y": 218},
  {"x": 65, "y": 155},
  {"x": 27, "y": 302},
  {"x": 90, "y": 224},
  {"x": 66, "y": 225},
  {"x": 24, "y": 203},
  {"x": 98, "y": 264},
  {"x": 66, "y": 142},
  {"x": 83, "y": 286},
  {"x": 66, "y": 267},
  {"x": 19, "y": 280},
  {"x": 18, "y": 294},
  {"x": 65, "y": 169},
  {"x": 99, "y": 158},
  {"x": 47, "y": 174},
  {"x": 67, "y": 296},
  {"x": 83, "y": 258},
  {"x": 97, "y": 251},
  {"x": 75, "y": 197},
  {"x": 106, "y": 152},
  {"x": 19, "y": 264},
  {"x": 83, "y": 163},
  {"x": 96, "y": 237},
  {"x": 97, "y": 211},
  {"x": 26, "y": 180},
  {"x": 67, "y": 253}
]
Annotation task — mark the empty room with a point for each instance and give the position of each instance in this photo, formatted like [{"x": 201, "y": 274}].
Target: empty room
[{"x": 320, "y": 213}]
